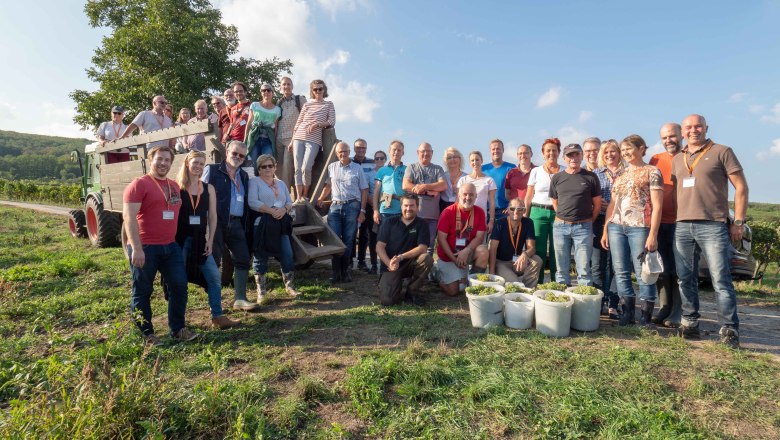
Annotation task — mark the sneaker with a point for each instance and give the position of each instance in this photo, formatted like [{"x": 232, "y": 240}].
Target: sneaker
[
  {"x": 222, "y": 322},
  {"x": 152, "y": 340},
  {"x": 689, "y": 332},
  {"x": 242, "y": 304},
  {"x": 729, "y": 337},
  {"x": 362, "y": 266},
  {"x": 185, "y": 335}
]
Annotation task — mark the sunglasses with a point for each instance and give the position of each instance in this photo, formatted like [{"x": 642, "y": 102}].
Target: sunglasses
[
  {"x": 380, "y": 158},
  {"x": 238, "y": 155},
  {"x": 452, "y": 157},
  {"x": 516, "y": 208},
  {"x": 117, "y": 113},
  {"x": 265, "y": 90},
  {"x": 265, "y": 167},
  {"x": 317, "y": 89}
]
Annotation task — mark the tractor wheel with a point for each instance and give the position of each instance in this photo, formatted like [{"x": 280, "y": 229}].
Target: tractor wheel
[
  {"x": 77, "y": 223},
  {"x": 103, "y": 227}
]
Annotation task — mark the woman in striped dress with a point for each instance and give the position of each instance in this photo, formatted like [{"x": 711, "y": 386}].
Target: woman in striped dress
[{"x": 315, "y": 116}]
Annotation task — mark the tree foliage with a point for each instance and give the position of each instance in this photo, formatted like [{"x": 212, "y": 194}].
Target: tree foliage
[
  {"x": 765, "y": 244},
  {"x": 177, "y": 48},
  {"x": 31, "y": 156}
]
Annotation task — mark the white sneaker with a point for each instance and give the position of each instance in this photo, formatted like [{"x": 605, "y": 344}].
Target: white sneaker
[{"x": 242, "y": 304}]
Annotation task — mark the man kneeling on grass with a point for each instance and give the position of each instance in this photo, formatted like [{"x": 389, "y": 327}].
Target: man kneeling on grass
[
  {"x": 402, "y": 246},
  {"x": 461, "y": 238},
  {"x": 513, "y": 247}
]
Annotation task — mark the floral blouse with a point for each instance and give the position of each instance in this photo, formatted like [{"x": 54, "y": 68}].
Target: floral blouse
[{"x": 631, "y": 194}]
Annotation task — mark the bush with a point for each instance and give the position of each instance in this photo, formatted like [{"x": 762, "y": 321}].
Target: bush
[{"x": 68, "y": 194}]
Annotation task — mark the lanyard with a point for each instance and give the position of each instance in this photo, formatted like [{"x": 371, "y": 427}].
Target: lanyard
[
  {"x": 695, "y": 162},
  {"x": 512, "y": 237},
  {"x": 469, "y": 222},
  {"x": 116, "y": 132},
  {"x": 548, "y": 170},
  {"x": 273, "y": 187},
  {"x": 197, "y": 200},
  {"x": 161, "y": 120},
  {"x": 454, "y": 182},
  {"x": 168, "y": 197},
  {"x": 235, "y": 182}
]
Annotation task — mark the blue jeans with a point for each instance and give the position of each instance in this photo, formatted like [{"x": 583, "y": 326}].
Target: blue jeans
[
  {"x": 342, "y": 218},
  {"x": 626, "y": 243},
  {"x": 211, "y": 273},
  {"x": 580, "y": 235},
  {"x": 262, "y": 146},
  {"x": 711, "y": 238},
  {"x": 260, "y": 262},
  {"x": 166, "y": 259}
]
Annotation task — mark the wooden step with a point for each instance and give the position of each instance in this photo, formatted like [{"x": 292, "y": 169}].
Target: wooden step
[
  {"x": 317, "y": 252},
  {"x": 307, "y": 229}
]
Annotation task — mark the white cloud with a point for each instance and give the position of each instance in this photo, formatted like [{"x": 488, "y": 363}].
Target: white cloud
[
  {"x": 656, "y": 148},
  {"x": 571, "y": 135},
  {"x": 756, "y": 108},
  {"x": 294, "y": 35},
  {"x": 774, "y": 115},
  {"x": 737, "y": 97},
  {"x": 58, "y": 121},
  {"x": 8, "y": 111},
  {"x": 774, "y": 150},
  {"x": 476, "y": 39},
  {"x": 550, "y": 97},
  {"x": 585, "y": 115}
]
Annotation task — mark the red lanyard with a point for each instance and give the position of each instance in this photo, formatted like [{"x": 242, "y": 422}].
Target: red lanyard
[
  {"x": 160, "y": 121},
  {"x": 273, "y": 187},
  {"x": 116, "y": 132},
  {"x": 197, "y": 200},
  {"x": 235, "y": 182},
  {"x": 698, "y": 158},
  {"x": 469, "y": 222},
  {"x": 168, "y": 197},
  {"x": 512, "y": 237}
]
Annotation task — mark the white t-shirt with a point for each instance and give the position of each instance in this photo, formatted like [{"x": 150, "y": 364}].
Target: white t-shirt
[
  {"x": 148, "y": 121},
  {"x": 110, "y": 130},
  {"x": 540, "y": 180},
  {"x": 484, "y": 185}
]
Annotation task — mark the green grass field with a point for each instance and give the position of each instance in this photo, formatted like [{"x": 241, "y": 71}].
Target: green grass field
[{"x": 333, "y": 364}]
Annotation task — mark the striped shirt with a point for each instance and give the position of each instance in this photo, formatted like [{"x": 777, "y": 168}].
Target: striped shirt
[{"x": 314, "y": 112}]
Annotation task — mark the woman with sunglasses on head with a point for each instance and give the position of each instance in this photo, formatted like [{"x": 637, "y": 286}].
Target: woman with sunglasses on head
[
  {"x": 316, "y": 115},
  {"x": 195, "y": 233},
  {"x": 272, "y": 229},
  {"x": 537, "y": 198},
  {"x": 486, "y": 188},
  {"x": 513, "y": 247},
  {"x": 631, "y": 227},
  {"x": 260, "y": 138},
  {"x": 453, "y": 171}
]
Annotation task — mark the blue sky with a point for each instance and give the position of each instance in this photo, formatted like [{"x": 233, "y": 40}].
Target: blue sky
[{"x": 461, "y": 73}]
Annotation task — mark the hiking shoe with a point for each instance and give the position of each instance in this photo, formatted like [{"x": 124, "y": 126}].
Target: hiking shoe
[
  {"x": 185, "y": 335},
  {"x": 152, "y": 340},
  {"x": 417, "y": 300},
  {"x": 729, "y": 337},
  {"x": 242, "y": 304},
  {"x": 362, "y": 266},
  {"x": 222, "y": 322},
  {"x": 689, "y": 332},
  {"x": 374, "y": 269},
  {"x": 671, "y": 324}
]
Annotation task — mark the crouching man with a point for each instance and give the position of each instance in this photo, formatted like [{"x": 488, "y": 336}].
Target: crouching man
[
  {"x": 513, "y": 247},
  {"x": 402, "y": 246},
  {"x": 461, "y": 234}
]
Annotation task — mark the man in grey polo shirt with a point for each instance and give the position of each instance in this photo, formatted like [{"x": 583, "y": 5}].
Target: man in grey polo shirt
[
  {"x": 349, "y": 189},
  {"x": 152, "y": 120},
  {"x": 426, "y": 179}
]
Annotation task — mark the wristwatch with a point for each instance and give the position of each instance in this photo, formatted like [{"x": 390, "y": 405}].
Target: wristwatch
[{"x": 739, "y": 222}]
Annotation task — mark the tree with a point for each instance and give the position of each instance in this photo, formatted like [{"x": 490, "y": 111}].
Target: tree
[
  {"x": 765, "y": 244},
  {"x": 177, "y": 48}
]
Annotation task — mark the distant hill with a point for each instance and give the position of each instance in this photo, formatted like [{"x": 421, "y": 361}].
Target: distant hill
[{"x": 34, "y": 156}]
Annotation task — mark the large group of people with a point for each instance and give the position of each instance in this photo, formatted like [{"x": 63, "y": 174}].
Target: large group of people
[{"x": 606, "y": 205}]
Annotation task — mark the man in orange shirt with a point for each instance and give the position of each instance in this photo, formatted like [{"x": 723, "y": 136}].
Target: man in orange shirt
[{"x": 670, "y": 312}]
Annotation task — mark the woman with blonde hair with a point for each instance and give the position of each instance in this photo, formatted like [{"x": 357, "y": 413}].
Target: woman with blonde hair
[
  {"x": 195, "y": 233},
  {"x": 486, "y": 189},
  {"x": 453, "y": 166}
]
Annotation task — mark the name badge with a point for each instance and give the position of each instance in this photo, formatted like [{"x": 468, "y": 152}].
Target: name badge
[
  {"x": 194, "y": 219},
  {"x": 278, "y": 204},
  {"x": 242, "y": 123},
  {"x": 515, "y": 258},
  {"x": 460, "y": 243},
  {"x": 240, "y": 198},
  {"x": 167, "y": 215},
  {"x": 688, "y": 182}
]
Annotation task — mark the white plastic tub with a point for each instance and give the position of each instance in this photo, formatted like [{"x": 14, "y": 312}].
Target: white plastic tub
[
  {"x": 496, "y": 280},
  {"x": 586, "y": 311},
  {"x": 553, "y": 318},
  {"x": 487, "y": 310},
  {"x": 519, "y": 315}
]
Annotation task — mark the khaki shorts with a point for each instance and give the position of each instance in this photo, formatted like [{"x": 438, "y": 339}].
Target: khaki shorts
[{"x": 449, "y": 272}]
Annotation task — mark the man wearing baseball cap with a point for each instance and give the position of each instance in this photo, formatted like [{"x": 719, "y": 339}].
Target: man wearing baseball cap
[{"x": 576, "y": 198}]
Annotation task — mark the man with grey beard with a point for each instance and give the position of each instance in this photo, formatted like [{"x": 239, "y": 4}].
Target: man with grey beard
[
  {"x": 224, "y": 113},
  {"x": 670, "y": 313}
]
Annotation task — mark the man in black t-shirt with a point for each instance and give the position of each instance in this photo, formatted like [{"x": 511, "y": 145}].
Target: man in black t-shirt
[
  {"x": 576, "y": 197},
  {"x": 402, "y": 246},
  {"x": 513, "y": 247}
]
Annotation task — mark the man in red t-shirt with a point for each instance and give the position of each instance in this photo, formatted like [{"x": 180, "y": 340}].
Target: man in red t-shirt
[
  {"x": 239, "y": 114},
  {"x": 670, "y": 313},
  {"x": 151, "y": 208},
  {"x": 461, "y": 237}
]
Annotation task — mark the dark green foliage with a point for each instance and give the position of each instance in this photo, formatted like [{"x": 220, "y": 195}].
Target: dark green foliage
[{"x": 32, "y": 156}]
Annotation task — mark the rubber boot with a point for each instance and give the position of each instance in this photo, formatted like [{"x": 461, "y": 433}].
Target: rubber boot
[
  {"x": 665, "y": 300},
  {"x": 335, "y": 275},
  {"x": 239, "y": 284},
  {"x": 646, "y": 310},
  {"x": 261, "y": 289},
  {"x": 289, "y": 283},
  {"x": 346, "y": 270},
  {"x": 629, "y": 305}
]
